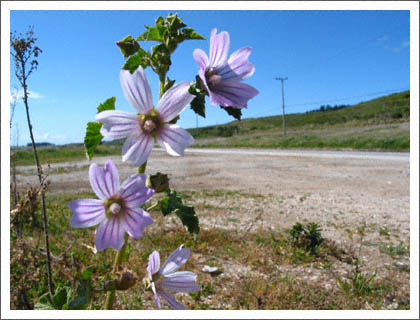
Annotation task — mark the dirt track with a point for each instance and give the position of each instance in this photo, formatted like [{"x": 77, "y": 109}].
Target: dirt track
[{"x": 340, "y": 190}]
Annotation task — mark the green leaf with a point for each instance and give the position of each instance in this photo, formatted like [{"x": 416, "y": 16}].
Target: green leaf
[
  {"x": 92, "y": 138},
  {"x": 170, "y": 203},
  {"x": 141, "y": 58},
  {"x": 168, "y": 84},
  {"x": 190, "y": 34},
  {"x": 189, "y": 219},
  {"x": 173, "y": 203},
  {"x": 86, "y": 274},
  {"x": 128, "y": 46},
  {"x": 234, "y": 112},
  {"x": 45, "y": 302},
  {"x": 61, "y": 297},
  {"x": 198, "y": 103},
  {"x": 153, "y": 34},
  {"x": 109, "y": 104}
]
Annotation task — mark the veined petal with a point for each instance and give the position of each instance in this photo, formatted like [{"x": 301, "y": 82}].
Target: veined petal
[
  {"x": 174, "y": 101},
  {"x": 157, "y": 300},
  {"x": 137, "y": 148},
  {"x": 170, "y": 298},
  {"x": 201, "y": 58},
  {"x": 86, "y": 212},
  {"x": 238, "y": 67},
  {"x": 104, "y": 181},
  {"x": 232, "y": 94},
  {"x": 174, "y": 139},
  {"x": 219, "y": 48},
  {"x": 134, "y": 191},
  {"x": 110, "y": 233},
  {"x": 175, "y": 261},
  {"x": 136, "y": 89},
  {"x": 153, "y": 264},
  {"x": 117, "y": 124},
  {"x": 135, "y": 220},
  {"x": 183, "y": 281}
]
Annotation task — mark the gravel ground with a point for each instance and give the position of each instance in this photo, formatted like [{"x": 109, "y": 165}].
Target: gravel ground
[{"x": 340, "y": 190}]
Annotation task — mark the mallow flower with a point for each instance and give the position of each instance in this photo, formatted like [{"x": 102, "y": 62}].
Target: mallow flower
[
  {"x": 150, "y": 124},
  {"x": 117, "y": 210},
  {"x": 222, "y": 76},
  {"x": 166, "y": 279}
]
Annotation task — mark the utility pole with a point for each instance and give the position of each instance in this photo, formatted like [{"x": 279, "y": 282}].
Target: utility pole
[{"x": 282, "y": 94}]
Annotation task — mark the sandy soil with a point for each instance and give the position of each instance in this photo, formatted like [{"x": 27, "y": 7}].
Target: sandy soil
[{"x": 340, "y": 190}]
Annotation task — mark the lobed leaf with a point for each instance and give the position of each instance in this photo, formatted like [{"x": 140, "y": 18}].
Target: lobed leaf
[
  {"x": 109, "y": 104},
  {"x": 173, "y": 203},
  {"x": 234, "y": 112},
  {"x": 128, "y": 46},
  {"x": 141, "y": 58},
  {"x": 93, "y": 138}
]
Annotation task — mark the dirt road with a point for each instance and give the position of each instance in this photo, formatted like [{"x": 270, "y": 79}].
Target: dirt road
[{"x": 339, "y": 190}]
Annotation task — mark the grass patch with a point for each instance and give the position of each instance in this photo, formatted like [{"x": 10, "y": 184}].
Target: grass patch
[{"x": 253, "y": 265}]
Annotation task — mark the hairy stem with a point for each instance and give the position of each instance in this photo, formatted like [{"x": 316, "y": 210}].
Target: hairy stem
[{"x": 110, "y": 296}]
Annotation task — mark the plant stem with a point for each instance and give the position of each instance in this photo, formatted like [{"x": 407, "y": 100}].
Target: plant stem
[
  {"x": 39, "y": 169},
  {"x": 110, "y": 296}
]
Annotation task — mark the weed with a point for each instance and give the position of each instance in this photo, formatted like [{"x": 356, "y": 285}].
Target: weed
[{"x": 307, "y": 237}]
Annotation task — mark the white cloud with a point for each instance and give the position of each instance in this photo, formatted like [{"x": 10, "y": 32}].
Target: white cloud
[
  {"x": 45, "y": 137},
  {"x": 18, "y": 95},
  {"x": 398, "y": 48}
]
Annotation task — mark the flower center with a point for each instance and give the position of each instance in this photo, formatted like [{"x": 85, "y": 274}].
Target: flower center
[
  {"x": 150, "y": 123},
  {"x": 212, "y": 77},
  {"x": 149, "y": 126},
  {"x": 114, "y": 206}
]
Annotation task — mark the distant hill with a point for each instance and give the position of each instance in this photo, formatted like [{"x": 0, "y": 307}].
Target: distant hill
[{"x": 384, "y": 110}]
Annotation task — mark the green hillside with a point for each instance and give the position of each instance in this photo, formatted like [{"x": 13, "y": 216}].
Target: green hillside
[{"x": 378, "y": 124}]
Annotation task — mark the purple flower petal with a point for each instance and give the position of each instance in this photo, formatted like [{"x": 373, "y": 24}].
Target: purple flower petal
[
  {"x": 153, "y": 264},
  {"x": 86, "y": 212},
  {"x": 170, "y": 298},
  {"x": 201, "y": 58},
  {"x": 219, "y": 48},
  {"x": 157, "y": 300},
  {"x": 104, "y": 181},
  {"x": 183, "y": 281},
  {"x": 174, "y": 139},
  {"x": 238, "y": 67},
  {"x": 137, "y": 90},
  {"x": 175, "y": 261},
  {"x": 174, "y": 101},
  {"x": 232, "y": 94},
  {"x": 110, "y": 233},
  {"x": 134, "y": 191},
  {"x": 135, "y": 220},
  {"x": 117, "y": 124},
  {"x": 137, "y": 148}
]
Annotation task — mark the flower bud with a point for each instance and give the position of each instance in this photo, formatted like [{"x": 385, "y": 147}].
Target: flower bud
[
  {"x": 126, "y": 281},
  {"x": 158, "y": 182}
]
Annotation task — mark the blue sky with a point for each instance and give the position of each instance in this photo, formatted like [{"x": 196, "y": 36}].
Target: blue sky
[{"x": 330, "y": 57}]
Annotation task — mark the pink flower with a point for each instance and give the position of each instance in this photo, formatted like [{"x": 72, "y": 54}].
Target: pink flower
[
  {"x": 222, "y": 76},
  {"x": 118, "y": 209},
  {"x": 166, "y": 279},
  {"x": 150, "y": 124}
]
